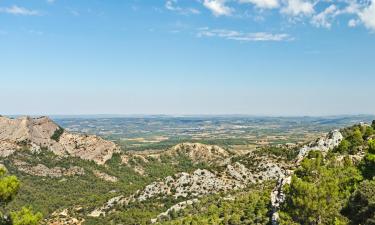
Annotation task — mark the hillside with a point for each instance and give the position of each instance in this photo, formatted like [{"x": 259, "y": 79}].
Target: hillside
[{"x": 82, "y": 179}]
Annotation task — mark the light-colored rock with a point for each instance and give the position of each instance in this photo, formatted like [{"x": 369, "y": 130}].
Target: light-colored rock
[
  {"x": 177, "y": 207},
  {"x": 110, "y": 204},
  {"x": 43, "y": 171},
  {"x": 36, "y": 133},
  {"x": 64, "y": 217},
  {"x": 27, "y": 129},
  {"x": 105, "y": 176},
  {"x": 198, "y": 152},
  {"x": 323, "y": 144},
  {"x": 200, "y": 182},
  {"x": 7, "y": 148}
]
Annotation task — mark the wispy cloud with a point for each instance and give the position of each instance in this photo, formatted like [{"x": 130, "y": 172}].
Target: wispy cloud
[
  {"x": 325, "y": 18},
  {"x": 16, "y": 10},
  {"x": 298, "y": 8},
  {"x": 218, "y": 7},
  {"x": 263, "y": 4},
  {"x": 242, "y": 36},
  {"x": 172, "y": 6},
  {"x": 319, "y": 13}
]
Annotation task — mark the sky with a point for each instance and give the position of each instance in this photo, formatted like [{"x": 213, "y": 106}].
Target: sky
[{"x": 180, "y": 57}]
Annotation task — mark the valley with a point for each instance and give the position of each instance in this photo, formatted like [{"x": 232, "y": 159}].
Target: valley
[{"x": 77, "y": 178}]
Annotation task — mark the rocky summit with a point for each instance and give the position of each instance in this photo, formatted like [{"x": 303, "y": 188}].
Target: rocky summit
[{"x": 43, "y": 133}]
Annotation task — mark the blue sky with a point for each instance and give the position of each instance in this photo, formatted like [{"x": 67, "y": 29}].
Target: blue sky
[{"x": 258, "y": 57}]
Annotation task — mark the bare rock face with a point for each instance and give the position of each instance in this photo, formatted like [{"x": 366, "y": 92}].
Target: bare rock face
[
  {"x": 88, "y": 147},
  {"x": 196, "y": 152},
  {"x": 105, "y": 176},
  {"x": 200, "y": 182},
  {"x": 37, "y": 133},
  {"x": 323, "y": 144},
  {"x": 177, "y": 207},
  {"x": 65, "y": 217},
  {"x": 110, "y": 204},
  {"x": 27, "y": 129},
  {"x": 199, "y": 152},
  {"x": 7, "y": 148},
  {"x": 41, "y": 170},
  {"x": 333, "y": 139}
]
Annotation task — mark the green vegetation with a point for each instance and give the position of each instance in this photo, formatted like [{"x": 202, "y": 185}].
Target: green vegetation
[
  {"x": 361, "y": 206},
  {"x": 46, "y": 194},
  {"x": 25, "y": 217},
  {"x": 318, "y": 192},
  {"x": 353, "y": 142},
  {"x": 326, "y": 190},
  {"x": 251, "y": 207},
  {"x": 57, "y": 134},
  {"x": 368, "y": 164},
  {"x": 337, "y": 188},
  {"x": 9, "y": 187},
  {"x": 282, "y": 152}
]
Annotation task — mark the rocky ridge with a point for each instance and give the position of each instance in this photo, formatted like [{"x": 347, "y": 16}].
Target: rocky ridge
[
  {"x": 233, "y": 176},
  {"x": 42, "y": 132}
]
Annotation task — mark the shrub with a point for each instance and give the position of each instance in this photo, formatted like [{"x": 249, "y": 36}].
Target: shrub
[{"x": 57, "y": 134}]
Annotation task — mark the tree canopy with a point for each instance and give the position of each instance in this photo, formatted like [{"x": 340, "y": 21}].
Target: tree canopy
[{"x": 9, "y": 187}]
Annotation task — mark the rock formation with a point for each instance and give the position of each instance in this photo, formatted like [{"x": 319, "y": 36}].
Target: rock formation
[
  {"x": 37, "y": 133},
  {"x": 41, "y": 170},
  {"x": 323, "y": 144}
]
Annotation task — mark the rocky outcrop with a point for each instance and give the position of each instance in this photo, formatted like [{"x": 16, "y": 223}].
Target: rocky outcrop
[
  {"x": 278, "y": 197},
  {"x": 37, "y": 133},
  {"x": 265, "y": 171},
  {"x": 175, "y": 208},
  {"x": 323, "y": 144},
  {"x": 110, "y": 204},
  {"x": 105, "y": 176},
  {"x": 196, "y": 152},
  {"x": 26, "y": 129},
  {"x": 41, "y": 170},
  {"x": 200, "y": 182},
  {"x": 199, "y": 152},
  {"x": 87, "y": 147},
  {"x": 65, "y": 217},
  {"x": 7, "y": 148}
]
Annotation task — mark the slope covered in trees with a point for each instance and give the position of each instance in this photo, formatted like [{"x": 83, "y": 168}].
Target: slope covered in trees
[
  {"x": 332, "y": 186},
  {"x": 9, "y": 186}
]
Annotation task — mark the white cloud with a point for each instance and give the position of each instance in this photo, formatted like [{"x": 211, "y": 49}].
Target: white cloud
[
  {"x": 264, "y": 4},
  {"x": 241, "y": 36},
  {"x": 51, "y": 1},
  {"x": 367, "y": 16},
  {"x": 16, "y": 10},
  {"x": 324, "y": 18},
  {"x": 298, "y": 8},
  {"x": 172, "y": 6},
  {"x": 218, "y": 7},
  {"x": 353, "y": 23},
  {"x": 357, "y": 11}
]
